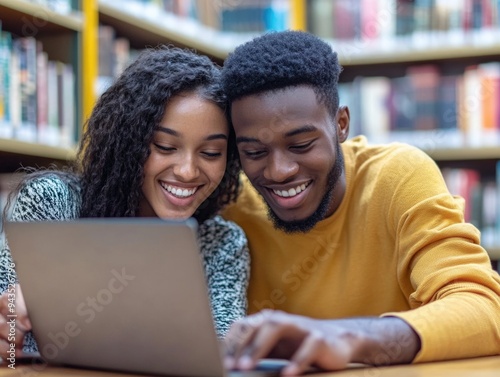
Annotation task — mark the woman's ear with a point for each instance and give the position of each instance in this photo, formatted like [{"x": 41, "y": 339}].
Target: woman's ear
[{"x": 342, "y": 119}]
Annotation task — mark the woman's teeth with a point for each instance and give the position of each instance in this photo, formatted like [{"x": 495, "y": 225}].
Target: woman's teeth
[{"x": 181, "y": 193}]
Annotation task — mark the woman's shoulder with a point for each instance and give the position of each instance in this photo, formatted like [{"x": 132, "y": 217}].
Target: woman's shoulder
[
  {"x": 217, "y": 232},
  {"x": 219, "y": 225},
  {"x": 48, "y": 195},
  {"x": 48, "y": 187}
]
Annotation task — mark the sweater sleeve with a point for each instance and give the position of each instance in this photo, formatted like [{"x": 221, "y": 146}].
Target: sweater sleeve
[
  {"x": 447, "y": 276},
  {"x": 227, "y": 267},
  {"x": 43, "y": 198},
  {"x": 46, "y": 198}
]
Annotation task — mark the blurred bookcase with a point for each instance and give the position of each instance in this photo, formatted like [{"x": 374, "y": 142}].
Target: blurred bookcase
[
  {"x": 419, "y": 71},
  {"x": 426, "y": 72}
]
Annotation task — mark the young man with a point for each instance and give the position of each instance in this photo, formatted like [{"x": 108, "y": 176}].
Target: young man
[{"x": 359, "y": 252}]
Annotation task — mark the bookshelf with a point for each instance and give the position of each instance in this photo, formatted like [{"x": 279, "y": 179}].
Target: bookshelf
[
  {"x": 148, "y": 27},
  {"x": 35, "y": 16},
  {"x": 428, "y": 73},
  {"x": 56, "y": 29}
]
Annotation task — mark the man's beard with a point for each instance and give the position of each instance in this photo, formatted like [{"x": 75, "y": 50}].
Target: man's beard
[{"x": 303, "y": 226}]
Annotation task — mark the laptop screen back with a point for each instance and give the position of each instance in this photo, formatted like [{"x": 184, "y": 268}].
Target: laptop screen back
[{"x": 121, "y": 294}]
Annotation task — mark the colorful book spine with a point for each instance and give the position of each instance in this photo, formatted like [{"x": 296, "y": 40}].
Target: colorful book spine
[{"x": 6, "y": 128}]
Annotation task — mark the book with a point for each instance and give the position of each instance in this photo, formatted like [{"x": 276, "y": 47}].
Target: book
[
  {"x": 6, "y": 127},
  {"x": 320, "y": 18},
  {"x": 27, "y": 49},
  {"x": 42, "y": 95},
  {"x": 374, "y": 97},
  {"x": 490, "y": 100},
  {"x": 424, "y": 87}
]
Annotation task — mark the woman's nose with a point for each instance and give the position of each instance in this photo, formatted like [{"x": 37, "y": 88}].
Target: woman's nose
[{"x": 186, "y": 169}]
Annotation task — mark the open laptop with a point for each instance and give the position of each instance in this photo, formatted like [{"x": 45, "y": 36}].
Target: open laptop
[{"x": 119, "y": 294}]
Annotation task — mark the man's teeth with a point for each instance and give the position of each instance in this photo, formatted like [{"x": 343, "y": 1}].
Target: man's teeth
[
  {"x": 291, "y": 192},
  {"x": 182, "y": 193}
]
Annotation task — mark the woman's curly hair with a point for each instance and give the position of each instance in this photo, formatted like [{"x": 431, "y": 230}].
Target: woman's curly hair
[
  {"x": 117, "y": 137},
  {"x": 281, "y": 59}
]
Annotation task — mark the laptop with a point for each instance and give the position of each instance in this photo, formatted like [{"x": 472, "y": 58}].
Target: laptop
[{"x": 123, "y": 294}]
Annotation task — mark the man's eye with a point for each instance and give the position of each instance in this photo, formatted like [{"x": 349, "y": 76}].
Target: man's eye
[
  {"x": 253, "y": 154},
  {"x": 302, "y": 146}
]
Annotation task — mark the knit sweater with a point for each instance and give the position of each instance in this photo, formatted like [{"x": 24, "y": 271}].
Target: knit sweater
[{"x": 222, "y": 243}]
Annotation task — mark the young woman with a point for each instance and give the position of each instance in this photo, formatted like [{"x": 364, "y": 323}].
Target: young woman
[{"x": 158, "y": 144}]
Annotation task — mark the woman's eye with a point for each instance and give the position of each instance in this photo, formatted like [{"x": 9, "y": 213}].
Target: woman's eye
[
  {"x": 164, "y": 148},
  {"x": 302, "y": 146},
  {"x": 212, "y": 154}
]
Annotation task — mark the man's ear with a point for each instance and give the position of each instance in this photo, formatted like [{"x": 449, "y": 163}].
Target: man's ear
[{"x": 343, "y": 119}]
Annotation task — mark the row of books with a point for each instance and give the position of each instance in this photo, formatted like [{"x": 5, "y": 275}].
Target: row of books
[
  {"x": 37, "y": 95},
  {"x": 244, "y": 16},
  {"x": 482, "y": 201},
  {"x": 387, "y": 19},
  {"x": 115, "y": 54},
  {"x": 59, "y": 6},
  {"x": 426, "y": 108}
]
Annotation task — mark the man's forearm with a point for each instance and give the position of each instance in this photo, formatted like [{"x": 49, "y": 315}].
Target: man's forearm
[{"x": 379, "y": 341}]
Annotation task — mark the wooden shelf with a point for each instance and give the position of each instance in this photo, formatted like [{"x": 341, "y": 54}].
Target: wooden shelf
[
  {"x": 404, "y": 50},
  {"x": 494, "y": 253},
  {"x": 22, "y": 148},
  {"x": 40, "y": 20},
  {"x": 152, "y": 28},
  {"x": 460, "y": 154}
]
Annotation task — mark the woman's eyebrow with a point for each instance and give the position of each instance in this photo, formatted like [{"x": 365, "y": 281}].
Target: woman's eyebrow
[
  {"x": 168, "y": 131},
  {"x": 216, "y": 137},
  {"x": 177, "y": 134}
]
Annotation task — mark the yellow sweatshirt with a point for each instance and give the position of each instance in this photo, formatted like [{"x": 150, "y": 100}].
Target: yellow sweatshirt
[{"x": 397, "y": 245}]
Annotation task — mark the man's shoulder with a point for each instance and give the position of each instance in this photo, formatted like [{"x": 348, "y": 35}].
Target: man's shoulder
[
  {"x": 359, "y": 151},
  {"x": 249, "y": 202}
]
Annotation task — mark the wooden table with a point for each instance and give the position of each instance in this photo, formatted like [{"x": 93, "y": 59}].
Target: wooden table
[{"x": 479, "y": 367}]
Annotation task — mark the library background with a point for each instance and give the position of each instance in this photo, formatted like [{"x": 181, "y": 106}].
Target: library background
[{"x": 426, "y": 72}]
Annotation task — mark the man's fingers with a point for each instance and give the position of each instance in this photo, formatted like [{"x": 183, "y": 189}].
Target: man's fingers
[
  {"x": 264, "y": 340},
  {"x": 239, "y": 335},
  {"x": 305, "y": 356},
  {"x": 316, "y": 351}
]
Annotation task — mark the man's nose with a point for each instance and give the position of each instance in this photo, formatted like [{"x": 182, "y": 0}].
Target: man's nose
[{"x": 280, "y": 167}]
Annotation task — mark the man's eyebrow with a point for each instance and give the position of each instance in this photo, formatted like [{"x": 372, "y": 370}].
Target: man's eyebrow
[
  {"x": 304, "y": 129},
  {"x": 297, "y": 131},
  {"x": 244, "y": 139}
]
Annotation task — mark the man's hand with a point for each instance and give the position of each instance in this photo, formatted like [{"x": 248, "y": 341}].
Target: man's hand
[
  {"x": 13, "y": 329},
  {"x": 325, "y": 344}
]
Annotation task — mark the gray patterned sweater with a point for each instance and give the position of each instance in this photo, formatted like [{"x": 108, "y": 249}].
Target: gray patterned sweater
[{"x": 223, "y": 247}]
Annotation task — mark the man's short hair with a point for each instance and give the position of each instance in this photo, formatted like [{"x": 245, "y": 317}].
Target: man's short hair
[{"x": 278, "y": 60}]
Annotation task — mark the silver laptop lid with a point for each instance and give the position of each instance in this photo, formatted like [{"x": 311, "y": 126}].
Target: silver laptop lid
[{"x": 120, "y": 294}]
